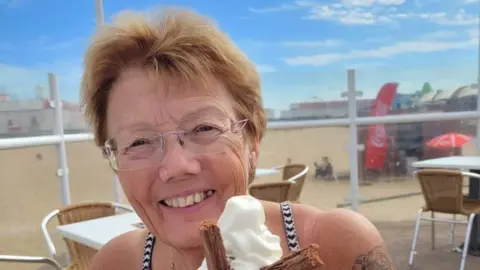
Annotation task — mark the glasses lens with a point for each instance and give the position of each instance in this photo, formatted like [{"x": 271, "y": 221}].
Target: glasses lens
[{"x": 148, "y": 150}]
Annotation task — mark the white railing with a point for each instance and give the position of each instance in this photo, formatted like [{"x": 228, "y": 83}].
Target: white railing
[{"x": 59, "y": 139}]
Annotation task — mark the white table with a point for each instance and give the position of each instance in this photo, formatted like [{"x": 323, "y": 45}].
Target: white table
[
  {"x": 264, "y": 172},
  {"x": 452, "y": 162},
  {"x": 471, "y": 163},
  {"x": 96, "y": 233}
]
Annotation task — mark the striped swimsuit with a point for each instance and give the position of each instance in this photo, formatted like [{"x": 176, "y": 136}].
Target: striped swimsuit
[{"x": 288, "y": 222}]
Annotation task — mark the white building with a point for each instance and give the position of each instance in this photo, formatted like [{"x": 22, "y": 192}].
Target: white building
[
  {"x": 269, "y": 113},
  {"x": 324, "y": 109},
  {"x": 36, "y": 117}
]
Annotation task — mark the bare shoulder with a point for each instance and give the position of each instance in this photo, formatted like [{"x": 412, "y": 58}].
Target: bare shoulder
[
  {"x": 347, "y": 239},
  {"x": 122, "y": 252}
]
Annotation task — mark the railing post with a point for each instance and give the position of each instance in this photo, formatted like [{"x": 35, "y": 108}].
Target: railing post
[
  {"x": 478, "y": 95},
  {"x": 62, "y": 171},
  {"x": 353, "y": 145},
  {"x": 99, "y": 13}
]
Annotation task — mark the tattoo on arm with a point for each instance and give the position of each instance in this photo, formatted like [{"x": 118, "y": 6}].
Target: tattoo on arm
[{"x": 376, "y": 259}]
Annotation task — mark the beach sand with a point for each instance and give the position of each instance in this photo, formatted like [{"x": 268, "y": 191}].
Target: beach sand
[{"x": 29, "y": 188}]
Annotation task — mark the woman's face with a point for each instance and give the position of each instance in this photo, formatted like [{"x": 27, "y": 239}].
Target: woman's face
[{"x": 190, "y": 180}]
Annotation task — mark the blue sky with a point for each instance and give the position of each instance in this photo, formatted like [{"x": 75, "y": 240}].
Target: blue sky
[{"x": 301, "y": 48}]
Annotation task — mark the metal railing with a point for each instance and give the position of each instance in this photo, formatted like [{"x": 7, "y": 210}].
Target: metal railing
[{"x": 59, "y": 139}]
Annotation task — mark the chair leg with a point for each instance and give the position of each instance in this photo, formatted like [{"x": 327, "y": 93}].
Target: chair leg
[
  {"x": 433, "y": 230},
  {"x": 415, "y": 237},
  {"x": 467, "y": 240},
  {"x": 452, "y": 231}
]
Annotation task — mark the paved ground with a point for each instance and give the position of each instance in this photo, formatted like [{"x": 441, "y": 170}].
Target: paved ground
[{"x": 398, "y": 236}]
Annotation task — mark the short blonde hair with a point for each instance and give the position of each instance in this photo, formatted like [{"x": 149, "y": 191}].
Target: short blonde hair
[{"x": 174, "y": 42}]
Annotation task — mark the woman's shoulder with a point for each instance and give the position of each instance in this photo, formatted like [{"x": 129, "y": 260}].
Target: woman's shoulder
[
  {"x": 346, "y": 238},
  {"x": 123, "y": 252}
]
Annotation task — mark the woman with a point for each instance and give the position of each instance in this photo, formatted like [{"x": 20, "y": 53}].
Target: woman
[{"x": 176, "y": 107}]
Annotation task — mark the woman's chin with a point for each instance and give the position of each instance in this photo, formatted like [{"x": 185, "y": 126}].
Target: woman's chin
[{"x": 185, "y": 239}]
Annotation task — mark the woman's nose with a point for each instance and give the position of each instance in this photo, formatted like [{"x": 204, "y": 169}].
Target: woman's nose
[{"x": 177, "y": 162}]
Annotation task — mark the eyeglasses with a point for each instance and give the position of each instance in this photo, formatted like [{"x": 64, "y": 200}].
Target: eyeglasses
[{"x": 145, "y": 149}]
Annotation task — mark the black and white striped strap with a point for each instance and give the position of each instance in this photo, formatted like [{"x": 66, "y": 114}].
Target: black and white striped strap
[
  {"x": 147, "y": 252},
  {"x": 289, "y": 225}
]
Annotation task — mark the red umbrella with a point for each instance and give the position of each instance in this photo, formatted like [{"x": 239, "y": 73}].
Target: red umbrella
[{"x": 449, "y": 140}]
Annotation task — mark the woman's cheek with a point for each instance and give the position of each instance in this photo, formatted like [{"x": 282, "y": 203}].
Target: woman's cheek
[
  {"x": 235, "y": 155},
  {"x": 131, "y": 185}
]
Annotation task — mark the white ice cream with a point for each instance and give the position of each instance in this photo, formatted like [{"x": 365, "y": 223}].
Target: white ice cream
[{"x": 245, "y": 236}]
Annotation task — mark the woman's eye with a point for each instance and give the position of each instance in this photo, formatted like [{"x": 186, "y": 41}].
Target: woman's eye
[
  {"x": 138, "y": 142},
  {"x": 205, "y": 128}
]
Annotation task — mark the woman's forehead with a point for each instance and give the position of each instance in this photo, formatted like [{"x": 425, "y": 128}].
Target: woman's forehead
[
  {"x": 139, "y": 98},
  {"x": 135, "y": 81}
]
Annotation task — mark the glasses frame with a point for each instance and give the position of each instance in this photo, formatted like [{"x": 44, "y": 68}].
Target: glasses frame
[{"x": 109, "y": 150}]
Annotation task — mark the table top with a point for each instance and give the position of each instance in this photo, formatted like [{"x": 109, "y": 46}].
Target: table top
[
  {"x": 265, "y": 172},
  {"x": 451, "y": 162},
  {"x": 96, "y": 233}
]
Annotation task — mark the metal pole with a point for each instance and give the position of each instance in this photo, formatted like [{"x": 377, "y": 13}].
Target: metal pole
[
  {"x": 478, "y": 93},
  {"x": 62, "y": 171},
  {"x": 117, "y": 190},
  {"x": 99, "y": 13},
  {"x": 353, "y": 146}
]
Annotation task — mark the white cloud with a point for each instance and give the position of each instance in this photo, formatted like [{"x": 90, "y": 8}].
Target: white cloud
[
  {"x": 282, "y": 7},
  {"x": 367, "y": 12},
  {"x": 442, "y": 34},
  {"x": 471, "y": 1},
  {"x": 21, "y": 82},
  {"x": 474, "y": 34},
  {"x": 62, "y": 45},
  {"x": 404, "y": 47},
  {"x": 265, "y": 68},
  {"x": 369, "y": 3},
  {"x": 42, "y": 43},
  {"x": 328, "y": 43},
  {"x": 422, "y": 3},
  {"x": 442, "y": 18},
  {"x": 365, "y": 65}
]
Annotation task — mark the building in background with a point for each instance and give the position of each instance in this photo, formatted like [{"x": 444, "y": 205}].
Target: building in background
[
  {"x": 269, "y": 113},
  {"x": 319, "y": 109},
  {"x": 36, "y": 116},
  {"x": 19, "y": 118}
]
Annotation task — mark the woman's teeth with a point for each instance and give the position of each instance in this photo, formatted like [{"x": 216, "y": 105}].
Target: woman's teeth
[{"x": 189, "y": 200}]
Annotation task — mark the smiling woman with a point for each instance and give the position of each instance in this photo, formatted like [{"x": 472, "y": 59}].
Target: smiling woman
[{"x": 177, "y": 110}]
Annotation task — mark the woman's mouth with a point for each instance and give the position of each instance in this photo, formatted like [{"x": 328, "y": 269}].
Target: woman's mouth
[{"x": 189, "y": 200}]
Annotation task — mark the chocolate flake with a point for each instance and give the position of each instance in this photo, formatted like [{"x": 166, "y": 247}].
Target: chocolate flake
[{"x": 305, "y": 259}]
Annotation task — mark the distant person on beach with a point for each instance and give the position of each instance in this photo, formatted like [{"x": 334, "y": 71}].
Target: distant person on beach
[
  {"x": 177, "y": 109},
  {"x": 324, "y": 170}
]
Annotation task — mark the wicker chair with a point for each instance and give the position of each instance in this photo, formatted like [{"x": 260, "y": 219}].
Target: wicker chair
[
  {"x": 29, "y": 260},
  {"x": 76, "y": 213},
  {"x": 291, "y": 170},
  {"x": 273, "y": 192},
  {"x": 443, "y": 193},
  {"x": 295, "y": 173},
  {"x": 82, "y": 263}
]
